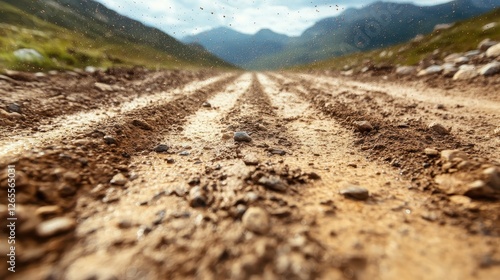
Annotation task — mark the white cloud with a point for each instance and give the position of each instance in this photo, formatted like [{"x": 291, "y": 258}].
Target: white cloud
[{"x": 182, "y": 18}]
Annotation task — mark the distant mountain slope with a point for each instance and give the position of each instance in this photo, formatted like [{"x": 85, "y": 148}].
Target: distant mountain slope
[
  {"x": 239, "y": 48},
  {"x": 89, "y": 21},
  {"x": 462, "y": 37},
  {"x": 377, "y": 25}
]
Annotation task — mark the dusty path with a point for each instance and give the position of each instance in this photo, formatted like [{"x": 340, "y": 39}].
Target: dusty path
[{"x": 210, "y": 207}]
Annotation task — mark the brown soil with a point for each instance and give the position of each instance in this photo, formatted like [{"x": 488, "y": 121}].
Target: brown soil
[{"x": 211, "y": 207}]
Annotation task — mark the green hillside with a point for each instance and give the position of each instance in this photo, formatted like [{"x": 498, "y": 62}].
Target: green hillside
[
  {"x": 463, "y": 36},
  {"x": 70, "y": 36}
]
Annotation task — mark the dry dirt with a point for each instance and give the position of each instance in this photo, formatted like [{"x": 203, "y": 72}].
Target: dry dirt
[{"x": 97, "y": 198}]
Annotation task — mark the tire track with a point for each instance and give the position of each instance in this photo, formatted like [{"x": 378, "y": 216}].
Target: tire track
[{"x": 16, "y": 143}]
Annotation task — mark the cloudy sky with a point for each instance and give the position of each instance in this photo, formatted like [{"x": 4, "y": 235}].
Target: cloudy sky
[{"x": 188, "y": 17}]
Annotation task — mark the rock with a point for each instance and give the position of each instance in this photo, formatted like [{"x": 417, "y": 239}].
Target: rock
[
  {"x": 206, "y": 105},
  {"x": 355, "y": 192},
  {"x": 472, "y": 53},
  {"x": 453, "y": 155},
  {"x": 489, "y": 26},
  {"x": 406, "y": 70},
  {"x": 434, "y": 69},
  {"x": 14, "y": 108},
  {"x": 142, "y": 124},
  {"x": 20, "y": 76},
  {"x": 493, "y": 51},
  {"x": 449, "y": 69},
  {"x": 461, "y": 60},
  {"x": 28, "y": 55},
  {"x": 431, "y": 152},
  {"x": 452, "y": 57},
  {"x": 242, "y": 136},
  {"x": 66, "y": 190},
  {"x": 251, "y": 159},
  {"x": 363, "y": 126},
  {"x": 184, "y": 153},
  {"x": 466, "y": 72},
  {"x": 492, "y": 177},
  {"x": 490, "y": 69},
  {"x": 103, "y": 87},
  {"x": 108, "y": 139},
  {"x": 197, "y": 198},
  {"x": 439, "y": 128},
  {"x": 119, "y": 180},
  {"x": 486, "y": 44},
  {"x": 461, "y": 200},
  {"x": 55, "y": 226},
  {"x": 40, "y": 75},
  {"x": 419, "y": 38},
  {"x": 90, "y": 69},
  {"x": 443, "y": 26},
  {"x": 256, "y": 220},
  {"x": 274, "y": 183},
  {"x": 44, "y": 211},
  {"x": 479, "y": 189},
  {"x": 279, "y": 152},
  {"x": 161, "y": 148}
]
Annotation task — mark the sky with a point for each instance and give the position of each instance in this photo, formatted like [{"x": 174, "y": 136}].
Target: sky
[{"x": 189, "y": 17}]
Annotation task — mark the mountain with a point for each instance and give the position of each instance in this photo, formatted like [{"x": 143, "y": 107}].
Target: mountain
[
  {"x": 239, "y": 48},
  {"x": 377, "y": 25},
  {"x": 89, "y": 27},
  {"x": 462, "y": 37}
]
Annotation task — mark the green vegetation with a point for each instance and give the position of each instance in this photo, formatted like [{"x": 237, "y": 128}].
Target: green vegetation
[
  {"x": 463, "y": 36},
  {"x": 68, "y": 48}
]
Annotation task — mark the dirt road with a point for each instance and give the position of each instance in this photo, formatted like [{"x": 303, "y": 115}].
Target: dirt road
[{"x": 184, "y": 175}]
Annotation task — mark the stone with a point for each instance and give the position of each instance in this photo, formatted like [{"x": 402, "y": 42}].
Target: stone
[
  {"x": 119, "y": 180},
  {"x": 452, "y": 57},
  {"x": 490, "y": 26},
  {"x": 461, "y": 60},
  {"x": 108, "y": 139},
  {"x": 251, "y": 159},
  {"x": 28, "y": 55},
  {"x": 161, "y": 148},
  {"x": 184, "y": 153},
  {"x": 453, "y": 155},
  {"x": 406, "y": 70},
  {"x": 355, "y": 192},
  {"x": 493, "y": 51},
  {"x": 419, "y": 38},
  {"x": 279, "y": 152},
  {"x": 103, "y": 87},
  {"x": 55, "y": 226},
  {"x": 438, "y": 128},
  {"x": 472, "y": 53},
  {"x": 363, "y": 126},
  {"x": 466, "y": 72},
  {"x": 449, "y": 70},
  {"x": 486, "y": 44},
  {"x": 431, "y": 152},
  {"x": 274, "y": 183},
  {"x": 5, "y": 78},
  {"x": 14, "y": 108},
  {"x": 49, "y": 210},
  {"x": 256, "y": 220},
  {"x": 142, "y": 124},
  {"x": 197, "y": 198},
  {"x": 66, "y": 190},
  {"x": 434, "y": 69},
  {"x": 242, "y": 136},
  {"x": 492, "y": 177},
  {"x": 479, "y": 189},
  {"x": 461, "y": 200},
  {"x": 90, "y": 69},
  {"x": 206, "y": 105},
  {"x": 490, "y": 69}
]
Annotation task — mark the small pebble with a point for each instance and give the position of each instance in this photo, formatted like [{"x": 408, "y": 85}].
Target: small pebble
[
  {"x": 161, "y": 148},
  {"x": 256, "y": 220},
  {"x": 439, "y": 128},
  {"x": 109, "y": 140},
  {"x": 119, "y": 180},
  {"x": 184, "y": 153},
  {"x": 363, "y": 126},
  {"x": 55, "y": 226},
  {"x": 251, "y": 159},
  {"x": 355, "y": 192},
  {"x": 207, "y": 105},
  {"x": 274, "y": 183},
  {"x": 242, "y": 136}
]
